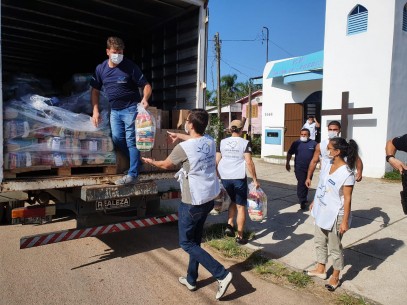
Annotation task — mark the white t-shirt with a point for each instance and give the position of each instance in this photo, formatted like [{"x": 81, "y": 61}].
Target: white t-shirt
[
  {"x": 233, "y": 164},
  {"x": 312, "y": 129}
]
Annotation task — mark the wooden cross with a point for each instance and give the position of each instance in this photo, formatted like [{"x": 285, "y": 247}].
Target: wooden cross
[{"x": 345, "y": 111}]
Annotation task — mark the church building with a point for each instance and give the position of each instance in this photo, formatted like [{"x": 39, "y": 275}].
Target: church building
[{"x": 359, "y": 79}]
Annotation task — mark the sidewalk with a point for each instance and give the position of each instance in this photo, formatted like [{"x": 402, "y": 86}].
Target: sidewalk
[{"x": 375, "y": 247}]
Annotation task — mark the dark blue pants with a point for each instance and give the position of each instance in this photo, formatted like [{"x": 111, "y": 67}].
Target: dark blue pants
[
  {"x": 302, "y": 190},
  {"x": 191, "y": 220}
]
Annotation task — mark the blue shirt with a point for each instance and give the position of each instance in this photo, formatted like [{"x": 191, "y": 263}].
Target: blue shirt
[
  {"x": 303, "y": 151},
  {"x": 121, "y": 83}
]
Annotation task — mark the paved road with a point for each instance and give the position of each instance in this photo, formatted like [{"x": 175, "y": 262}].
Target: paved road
[{"x": 135, "y": 267}]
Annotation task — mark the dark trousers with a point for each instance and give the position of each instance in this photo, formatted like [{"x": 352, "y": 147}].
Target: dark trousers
[
  {"x": 191, "y": 220},
  {"x": 302, "y": 190}
]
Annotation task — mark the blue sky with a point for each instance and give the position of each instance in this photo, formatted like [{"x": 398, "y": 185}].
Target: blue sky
[{"x": 296, "y": 27}]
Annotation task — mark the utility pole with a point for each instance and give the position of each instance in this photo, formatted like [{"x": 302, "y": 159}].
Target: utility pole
[
  {"x": 218, "y": 127},
  {"x": 249, "y": 124},
  {"x": 267, "y": 43}
]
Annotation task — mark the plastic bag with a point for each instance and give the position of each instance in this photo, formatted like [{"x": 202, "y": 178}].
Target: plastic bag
[
  {"x": 256, "y": 203},
  {"x": 222, "y": 202},
  {"x": 145, "y": 129}
]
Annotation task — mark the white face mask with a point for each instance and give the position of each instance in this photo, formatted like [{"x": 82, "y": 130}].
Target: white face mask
[
  {"x": 303, "y": 139},
  {"x": 116, "y": 58},
  {"x": 186, "y": 128},
  {"x": 332, "y": 134},
  {"x": 328, "y": 154}
]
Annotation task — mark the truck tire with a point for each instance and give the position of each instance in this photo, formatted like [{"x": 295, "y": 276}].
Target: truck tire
[{"x": 2, "y": 212}]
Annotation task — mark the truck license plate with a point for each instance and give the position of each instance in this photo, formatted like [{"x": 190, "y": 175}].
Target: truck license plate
[{"x": 110, "y": 204}]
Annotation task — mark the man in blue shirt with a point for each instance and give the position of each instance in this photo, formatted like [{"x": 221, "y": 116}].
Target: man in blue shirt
[
  {"x": 121, "y": 80},
  {"x": 303, "y": 149}
]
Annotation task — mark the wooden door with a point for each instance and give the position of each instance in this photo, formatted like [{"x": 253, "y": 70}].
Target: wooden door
[{"x": 293, "y": 122}]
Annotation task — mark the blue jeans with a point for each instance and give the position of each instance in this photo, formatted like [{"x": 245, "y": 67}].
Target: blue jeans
[
  {"x": 191, "y": 219},
  {"x": 123, "y": 127}
]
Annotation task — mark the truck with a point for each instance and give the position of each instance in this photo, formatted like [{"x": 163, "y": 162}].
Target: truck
[{"x": 55, "y": 39}]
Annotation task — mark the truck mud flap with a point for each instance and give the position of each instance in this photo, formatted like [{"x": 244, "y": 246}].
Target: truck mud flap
[{"x": 60, "y": 236}]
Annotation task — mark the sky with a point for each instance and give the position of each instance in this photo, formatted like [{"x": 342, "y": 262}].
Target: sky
[{"x": 296, "y": 28}]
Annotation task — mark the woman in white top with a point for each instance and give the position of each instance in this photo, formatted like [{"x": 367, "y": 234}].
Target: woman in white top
[
  {"x": 331, "y": 208},
  {"x": 234, "y": 156}
]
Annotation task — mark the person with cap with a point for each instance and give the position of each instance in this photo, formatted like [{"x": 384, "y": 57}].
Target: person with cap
[
  {"x": 303, "y": 149},
  {"x": 234, "y": 155},
  {"x": 392, "y": 146},
  {"x": 312, "y": 124}
]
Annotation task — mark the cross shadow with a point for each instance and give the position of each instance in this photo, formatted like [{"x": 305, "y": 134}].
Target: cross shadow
[
  {"x": 361, "y": 218},
  {"x": 369, "y": 255}
]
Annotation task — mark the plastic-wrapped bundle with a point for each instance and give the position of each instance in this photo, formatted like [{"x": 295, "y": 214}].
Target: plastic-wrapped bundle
[
  {"x": 37, "y": 126},
  {"x": 81, "y": 102},
  {"x": 60, "y": 144},
  {"x": 97, "y": 145},
  {"x": 222, "y": 202},
  {"x": 13, "y": 145},
  {"x": 16, "y": 129},
  {"x": 99, "y": 159},
  {"x": 58, "y": 159},
  {"x": 14, "y": 160},
  {"x": 256, "y": 203},
  {"x": 145, "y": 129}
]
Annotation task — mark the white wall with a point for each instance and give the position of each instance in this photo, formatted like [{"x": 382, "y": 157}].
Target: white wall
[
  {"x": 275, "y": 95},
  {"x": 360, "y": 64},
  {"x": 397, "y": 118}
]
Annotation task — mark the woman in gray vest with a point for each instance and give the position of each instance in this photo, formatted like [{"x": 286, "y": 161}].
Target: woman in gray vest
[
  {"x": 234, "y": 156},
  {"x": 199, "y": 187}
]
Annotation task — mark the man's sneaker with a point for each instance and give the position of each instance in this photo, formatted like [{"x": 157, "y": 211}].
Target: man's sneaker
[
  {"x": 184, "y": 282},
  {"x": 230, "y": 231},
  {"x": 223, "y": 285},
  {"x": 126, "y": 180}
]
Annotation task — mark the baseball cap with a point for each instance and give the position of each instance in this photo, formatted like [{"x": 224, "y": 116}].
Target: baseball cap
[{"x": 236, "y": 123}]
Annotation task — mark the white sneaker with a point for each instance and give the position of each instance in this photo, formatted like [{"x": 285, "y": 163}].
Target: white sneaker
[
  {"x": 183, "y": 281},
  {"x": 223, "y": 285},
  {"x": 126, "y": 180}
]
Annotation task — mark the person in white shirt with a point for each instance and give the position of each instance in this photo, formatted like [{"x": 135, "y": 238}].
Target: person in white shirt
[
  {"x": 199, "y": 187},
  {"x": 234, "y": 156},
  {"x": 331, "y": 208},
  {"x": 320, "y": 154},
  {"x": 312, "y": 124}
]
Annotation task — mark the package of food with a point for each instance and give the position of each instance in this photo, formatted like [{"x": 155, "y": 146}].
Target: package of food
[
  {"x": 222, "y": 202},
  {"x": 256, "y": 203},
  {"x": 14, "y": 160},
  {"x": 145, "y": 129}
]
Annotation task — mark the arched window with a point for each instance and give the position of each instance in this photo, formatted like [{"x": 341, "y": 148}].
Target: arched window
[
  {"x": 405, "y": 18},
  {"x": 357, "y": 20}
]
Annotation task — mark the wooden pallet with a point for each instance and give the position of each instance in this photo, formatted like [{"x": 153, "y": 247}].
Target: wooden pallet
[{"x": 44, "y": 170}]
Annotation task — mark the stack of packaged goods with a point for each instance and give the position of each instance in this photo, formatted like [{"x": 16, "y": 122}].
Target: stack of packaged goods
[
  {"x": 145, "y": 129},
  {"x": 38, "y": 133}
]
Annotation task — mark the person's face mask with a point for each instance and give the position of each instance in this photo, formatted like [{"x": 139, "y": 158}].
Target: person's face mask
[
  {"x": 332, "y": 134},
  {"x": 186, "y": 127},
  {"x": 116, "y": 58},
  {"x": 303, "y": 139}
]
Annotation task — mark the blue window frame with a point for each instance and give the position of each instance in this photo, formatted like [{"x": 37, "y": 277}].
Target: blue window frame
[
  {"x": 405, "y": 18},
  {"x": 357, "y": 20}
]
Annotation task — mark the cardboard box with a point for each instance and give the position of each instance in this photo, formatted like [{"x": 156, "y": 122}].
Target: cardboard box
[
  {"x": 178, "y": 118},
  {"x": 165, "y": 118},
  {"x": 145, "y": 168},
  {"x": 159, "y": 155},
  {"x": 160, "y": 141},
  {"x": 171, "y": 145}
]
